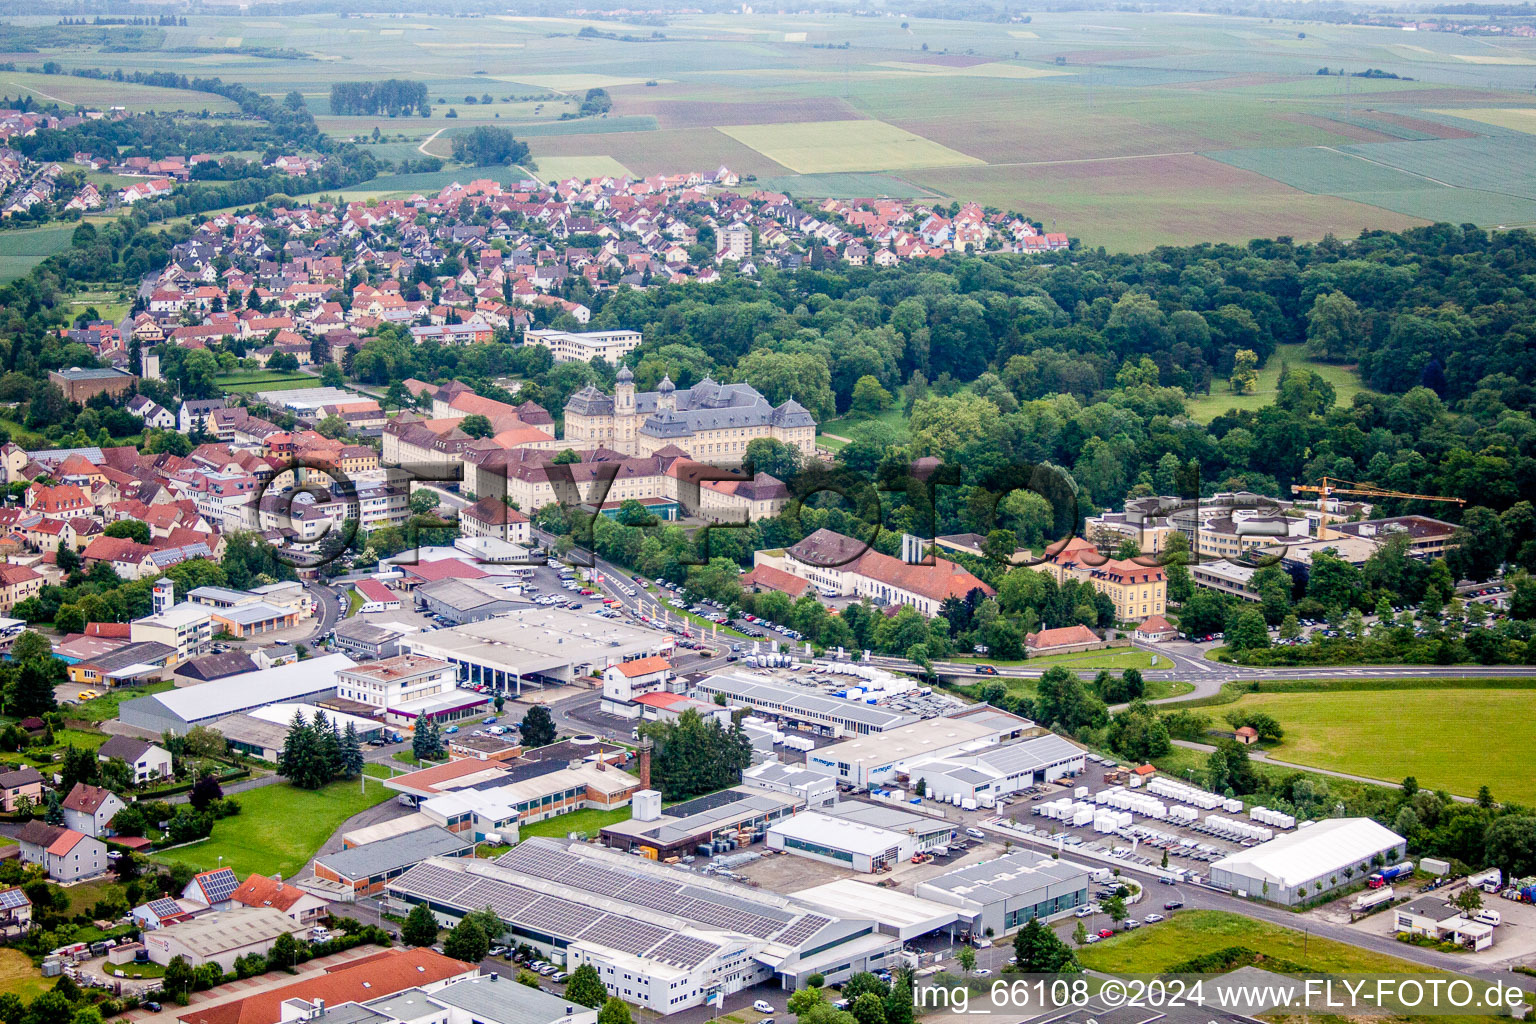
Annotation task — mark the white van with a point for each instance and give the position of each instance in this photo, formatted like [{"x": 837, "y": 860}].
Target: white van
[{"x": 1487, "y": 917}]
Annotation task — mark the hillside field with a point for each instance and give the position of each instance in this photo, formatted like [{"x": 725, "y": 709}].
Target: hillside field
[{"x": 1119, "y": 128}]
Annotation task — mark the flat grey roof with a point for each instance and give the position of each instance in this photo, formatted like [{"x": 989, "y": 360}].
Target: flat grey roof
[
  {"x": 397, "y": 852},
  {"x": 779, "y": 699},
  {"x": 489, "y": 1000},
  {"x": 1028, "y": 755},
  {"x": 1012, "y": 874}
]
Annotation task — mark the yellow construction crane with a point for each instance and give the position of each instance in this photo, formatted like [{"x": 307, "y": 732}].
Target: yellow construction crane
[{"x": 1330, "y": 487}]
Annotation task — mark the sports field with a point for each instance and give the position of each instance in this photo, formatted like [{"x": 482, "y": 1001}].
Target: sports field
[
  {"x": 1120, "y": 128},
  {"x": 1390, "y": 734}
]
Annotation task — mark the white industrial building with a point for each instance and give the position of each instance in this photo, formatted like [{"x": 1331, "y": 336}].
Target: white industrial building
[
  {"x": 801, "y": 707},
  {"x": 1314, "y": 859},
  {"x": 1000, "y": 896},
  {"x": 998, "y": 771},
  {"x": 900, "y": 914},
  {"x": 862, "y": 836},
  {"x": 876, "y": 760},
  {"x": 178, "y": 710},
  {"x": 814, "y": 788},
  {"x": 536, "y": 645},
  {"x": 659, "y": 937}
]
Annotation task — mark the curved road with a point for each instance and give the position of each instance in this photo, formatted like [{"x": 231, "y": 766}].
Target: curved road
[{"x": 1205, "y": 676}]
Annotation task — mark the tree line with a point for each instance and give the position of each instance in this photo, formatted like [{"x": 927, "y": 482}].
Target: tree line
[{"x": 392, "y": 96}]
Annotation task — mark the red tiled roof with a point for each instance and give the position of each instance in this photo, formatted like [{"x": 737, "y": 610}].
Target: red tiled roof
[
  {"x": 443, "y": 569},
  {"x": 391, "y": 971},
  {"x": 1063, "y": 637},
  {"x": 373, "y": 590},
  {"x": 644, "y": 666},
  {"x": 776, "y": 579},
  {"x": 261, "y": 891}
]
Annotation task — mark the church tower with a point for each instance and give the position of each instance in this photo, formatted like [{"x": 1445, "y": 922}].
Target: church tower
[
  {"x": 665, "y": 400},
  {"x": 624, "y": 422}
]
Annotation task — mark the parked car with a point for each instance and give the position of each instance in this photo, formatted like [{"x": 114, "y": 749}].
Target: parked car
[
  {"x": 975, "y": 833},
  {"x": 763, "y": 1006}
]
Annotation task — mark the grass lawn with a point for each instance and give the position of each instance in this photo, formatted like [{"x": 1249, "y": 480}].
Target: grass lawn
[
  {"x": 106, "y": 706},
  {"x": 844, "y": 425},
  {"x": 1112, "y": 658},
  {"x": 279, "y": 828},
  {"x": 561, "y": 825},
  {"x": 18, "y": 976},
  {"x": 354, "y": 602},
  {"x": 86, "y": 894},
  {"x": 1191, "y": 933},
  {"x": 265, "y": 380},
  {"x": 1154, "y": 689},
  {"x": 1345, "y": 381},
  {"x": 1433, "y": 730}
]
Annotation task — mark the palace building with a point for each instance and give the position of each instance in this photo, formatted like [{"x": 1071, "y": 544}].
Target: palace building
[{"x": 711, "y": 422}]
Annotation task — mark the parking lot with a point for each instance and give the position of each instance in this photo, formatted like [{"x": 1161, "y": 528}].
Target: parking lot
[{"x": 1145, "y": 842}]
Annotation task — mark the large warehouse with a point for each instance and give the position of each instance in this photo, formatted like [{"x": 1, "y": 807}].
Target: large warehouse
[
  {"x": 179, "y": 710},
  {"x": 1293, "y": 868},
  {"x": 875, "y": 760},
  {"x": 1002, "y": 895},
  {"x": 660, "y": 937},
  {"x": 1001, "y": 770},
  {"x": 863, "y": 836},
  {"x": 536, "y": 645},
  {"x": 799, "y": 707}
]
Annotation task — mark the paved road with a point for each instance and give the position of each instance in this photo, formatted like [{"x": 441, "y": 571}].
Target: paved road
[{"x": 1201, "y": 898}]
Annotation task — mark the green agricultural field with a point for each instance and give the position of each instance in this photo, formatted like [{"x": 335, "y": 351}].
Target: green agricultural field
[
  {"x": 279, "y": 827},
  {"x": 25, "y": 248},
  {"x": 1432, "y": 731},
  {"x": 1345, "y": 381},
  {"x": 20, "y": 977},
  {"x": 98, "y": 94},
  {"x": 836, "y": 146},
  {"x": 1123, "y": 129},
  {"x": 559, "y": 168}
]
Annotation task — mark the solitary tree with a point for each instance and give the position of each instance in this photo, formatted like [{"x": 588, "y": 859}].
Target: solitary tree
[
  {"x": 586, "y": 987},
  {"x": 420, "y": 928},
  {"x": 538, "y": 727}
]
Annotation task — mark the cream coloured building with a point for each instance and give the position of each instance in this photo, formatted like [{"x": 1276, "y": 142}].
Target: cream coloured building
[
  {"x": 585, "y": 346},
  {"x": 710, "y": 422},
  {"x": 1138, "y": 591}
]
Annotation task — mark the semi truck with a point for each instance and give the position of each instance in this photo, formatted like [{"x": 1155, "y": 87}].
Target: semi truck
[{"x": 1385, "y": 875}]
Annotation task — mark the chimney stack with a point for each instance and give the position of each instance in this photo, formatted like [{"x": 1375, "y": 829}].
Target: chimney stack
[{"x": 646, "y": 745}]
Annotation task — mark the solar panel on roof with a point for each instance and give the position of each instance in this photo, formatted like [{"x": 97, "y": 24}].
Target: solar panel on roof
[
  {"x": 624, "y": 934},
  {"x": 683, "y": 950},
  {"x": 565, "y": 918},
  {"x": 803, "y": 929},
  {"x": 10, "y": 899},
  {"x": 218, "y": 885},
  {"x": 164, "y": 907}
]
